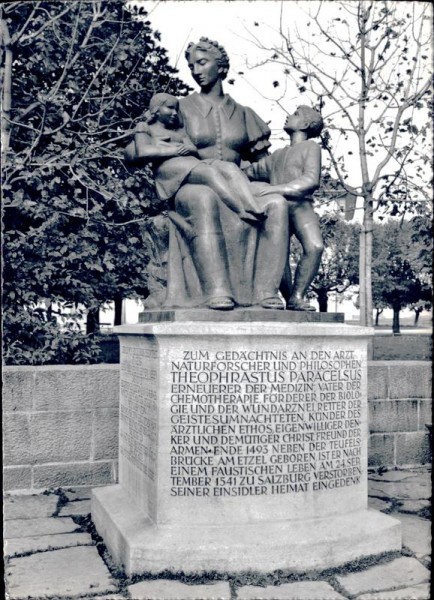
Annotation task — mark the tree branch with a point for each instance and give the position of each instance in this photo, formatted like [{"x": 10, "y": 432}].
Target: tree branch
[
  {"x": 7, "y": 89},
  {"x": 35, "y": 34}
]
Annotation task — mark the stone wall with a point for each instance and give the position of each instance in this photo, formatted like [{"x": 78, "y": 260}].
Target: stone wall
[
  {"x": 60, "y": 423},
  {"x": 400, "y": 405},
  {"x": 60, "y": 426}
]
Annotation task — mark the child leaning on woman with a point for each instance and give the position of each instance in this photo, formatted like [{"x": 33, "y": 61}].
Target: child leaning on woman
[{"x": 163, "y": 141}]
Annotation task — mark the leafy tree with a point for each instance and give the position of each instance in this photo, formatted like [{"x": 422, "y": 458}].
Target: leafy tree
[
  {"x": 338, "y": 269},
  {"x": 418, "y": 308},
  {"x": 422, "y": 243},
  {"x": 77, "y": 75},
  {"x": 398, "y": 278},
  {"x": 367, "y": 66},
  {"x": 422, "y": 240}
]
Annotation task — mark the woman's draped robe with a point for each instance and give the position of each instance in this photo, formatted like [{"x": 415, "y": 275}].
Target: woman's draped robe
[{"x": 253, "y": 257}]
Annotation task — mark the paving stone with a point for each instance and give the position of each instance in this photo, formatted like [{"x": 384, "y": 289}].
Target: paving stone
[
  {"x": 68, "y": 572},
  {"x": 416, "y": 592},
  {"x": 401, "y": 490},
  {"x": 157, "y": 589},
  {"x": 422, "y": 476},
  {"x": 110, "y": 597},
  {"x": 20, "y": 528},
  {"x": 78, "y": 493},
  {"x": 40, "y": 543},
  {"x": 378, "y": 504},
  {"x": 413, "y": 506},
  {"x": 416, "y": 534},
  {"x": 399, "y": 572},
  {"x": 301, "y": 590},
  {"x": 392, "y": 476},
  {"x": 29, "y": 507},
  {"x": 80, "y": 507}
]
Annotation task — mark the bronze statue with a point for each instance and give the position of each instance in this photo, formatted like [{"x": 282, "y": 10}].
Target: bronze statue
[
  {"x": 295, "y": 173},
  {"x": 175, "y": 159},
  {"x": 215, "y": 259}
]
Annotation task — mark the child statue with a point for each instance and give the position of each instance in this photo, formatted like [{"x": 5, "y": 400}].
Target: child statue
[
  {"x": 294, "y": 172},
  {"x": 162, "y": 140}
]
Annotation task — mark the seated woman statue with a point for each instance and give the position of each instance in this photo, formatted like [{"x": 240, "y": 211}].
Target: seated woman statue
[
  {"x": 217, "y": 259},
  {"x": 175, "y": 160}
]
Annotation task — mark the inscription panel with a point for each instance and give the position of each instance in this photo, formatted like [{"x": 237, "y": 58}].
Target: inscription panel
[
  {"x": 138, "y": 432},
  {"x": 254, "y": 423}
]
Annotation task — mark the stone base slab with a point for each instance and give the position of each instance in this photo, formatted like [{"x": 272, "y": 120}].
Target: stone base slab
[
  {"x": 135, "y": 542},
  {"x": 250, "y": 314}
]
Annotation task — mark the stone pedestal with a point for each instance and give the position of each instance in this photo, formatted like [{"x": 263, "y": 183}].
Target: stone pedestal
[{"x": 243, "y": 445}]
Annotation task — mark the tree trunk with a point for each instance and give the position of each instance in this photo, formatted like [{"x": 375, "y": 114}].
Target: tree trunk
[
  {"x": 118, "y": 311},
  {"x": 7, "y": 89},
  {"x": 395, "y": 326},
  {"x": 365, "y": 265},
  {"x": 417, "y": 312},
  {"x": 322, "y": 296},
  {"x": 362, "y": 286},
  {"x": 92, "y": 321},
  {"x": 377, "y": 315}
]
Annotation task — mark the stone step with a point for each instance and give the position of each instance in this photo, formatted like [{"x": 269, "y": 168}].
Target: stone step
[
  {"x": 399, "y": 572},
  {"x": 415, "y": 592},
  {"x": 416, "y": 534},
  {"x": 41, "y": 543},
  {"x": 29, "y": 507},
  {"x": 300, "y": 590},
  {"x": 80, "y": 507},
  {"x": 168, "y": 589},
  {"x": 60, "y": 573},
  {"x": 23, "y": 528}
]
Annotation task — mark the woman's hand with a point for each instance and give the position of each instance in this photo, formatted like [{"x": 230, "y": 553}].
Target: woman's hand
[{"x": 186, "y": 149}]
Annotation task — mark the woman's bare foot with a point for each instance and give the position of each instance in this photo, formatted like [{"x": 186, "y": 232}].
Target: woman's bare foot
[
  {"x": 273, "y": 302},
  {"x": 221, "y": 303}
]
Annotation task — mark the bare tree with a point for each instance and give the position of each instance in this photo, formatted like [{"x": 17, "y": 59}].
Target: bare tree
[
  {"x": 76, "y": 77},
  {"x": 367, "y": 67}
]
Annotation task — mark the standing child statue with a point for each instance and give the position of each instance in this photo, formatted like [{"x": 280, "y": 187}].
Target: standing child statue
[
  {"x": 294, "y": 172},
  {"x": 165, "y": 142}
]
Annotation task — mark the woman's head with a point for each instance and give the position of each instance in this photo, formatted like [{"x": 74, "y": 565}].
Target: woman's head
[
  {"x": 164, "y": 108},
  {"x": 207, "y": 60}
]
